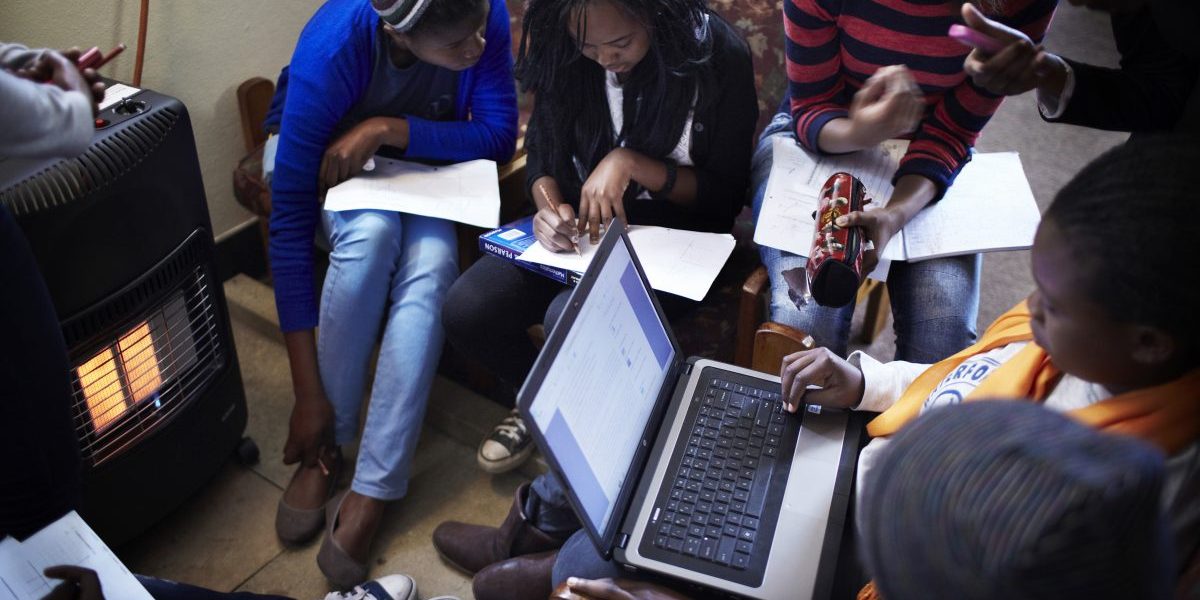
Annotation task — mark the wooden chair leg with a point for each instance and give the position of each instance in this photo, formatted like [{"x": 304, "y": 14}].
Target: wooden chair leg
[
  {"x": 750, "y": 314},
  {"x": 264, "y": 229}
]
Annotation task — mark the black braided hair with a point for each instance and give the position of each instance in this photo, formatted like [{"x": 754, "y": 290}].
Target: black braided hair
[
  {"x": 570, "y": 118},
  {"x": 1132, "y": 219}
]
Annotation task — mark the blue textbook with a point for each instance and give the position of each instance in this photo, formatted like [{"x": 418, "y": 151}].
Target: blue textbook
[{"x": 510, "y": 241}]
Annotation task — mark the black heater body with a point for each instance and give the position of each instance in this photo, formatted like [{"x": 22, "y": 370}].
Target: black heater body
[{"x": 123, "y": 239}]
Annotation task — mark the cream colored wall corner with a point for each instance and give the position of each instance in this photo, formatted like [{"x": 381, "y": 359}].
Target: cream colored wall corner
[{"x": 196, "y": 50}]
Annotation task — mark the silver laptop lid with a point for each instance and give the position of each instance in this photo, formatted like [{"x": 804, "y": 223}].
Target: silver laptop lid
[{"x": 598, "y": 390}]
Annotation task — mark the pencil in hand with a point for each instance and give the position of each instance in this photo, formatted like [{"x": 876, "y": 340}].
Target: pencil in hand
[
  {"x": 92, "y": 59},
  {"x": 554, "y": 207}
]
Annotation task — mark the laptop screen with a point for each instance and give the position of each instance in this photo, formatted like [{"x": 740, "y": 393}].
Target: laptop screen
[{"x": 602, "y": 385}]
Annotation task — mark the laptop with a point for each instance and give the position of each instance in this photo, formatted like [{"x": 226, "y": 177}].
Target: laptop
[{"x": 685, "y": 467}]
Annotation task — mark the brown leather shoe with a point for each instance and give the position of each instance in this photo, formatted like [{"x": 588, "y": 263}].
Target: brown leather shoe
[
  {"x": 520, "y": 578},
  {"x": 473, "y": 547}
]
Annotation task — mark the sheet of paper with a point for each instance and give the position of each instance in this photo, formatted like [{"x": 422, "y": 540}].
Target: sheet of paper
[
  {"x": 116, "y": 93},
  {"x": 67, "y": 541},
  {"x": 684, "y": 263},
  {"x": 467, "y": 192},
  {"x": 990, "y": 207},
  {"x": 786, "y": 219}
]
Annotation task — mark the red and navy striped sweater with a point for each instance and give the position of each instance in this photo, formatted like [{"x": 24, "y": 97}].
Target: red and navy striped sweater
[{"x": 833, "y": 46}]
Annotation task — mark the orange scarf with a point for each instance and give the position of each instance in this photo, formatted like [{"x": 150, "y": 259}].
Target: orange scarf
[{"x": 1166, "y": 415}]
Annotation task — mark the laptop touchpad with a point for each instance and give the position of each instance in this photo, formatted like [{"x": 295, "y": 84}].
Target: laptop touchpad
[{"x": 815, "y": 464}]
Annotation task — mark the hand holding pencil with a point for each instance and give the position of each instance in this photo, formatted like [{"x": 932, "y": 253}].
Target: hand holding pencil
[
  {"x": 72, "y": 70},
  {"x": 554, "y": 226}
]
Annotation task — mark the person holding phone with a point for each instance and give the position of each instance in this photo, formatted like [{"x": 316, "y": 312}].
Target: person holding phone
[
  {"x": 860, "y": 73},
  {"x": 1156, "y": 88}
]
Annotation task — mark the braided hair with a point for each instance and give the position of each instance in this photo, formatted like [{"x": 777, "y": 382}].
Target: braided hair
[
  {"x": 1131, "y": 220},
  {"x": 571, "y": 120}
]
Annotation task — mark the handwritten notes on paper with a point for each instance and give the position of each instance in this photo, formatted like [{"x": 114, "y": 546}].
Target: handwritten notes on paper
[
  {"x": 466, "y": 192},
  {"x": 67, "y": 541},
  {"x": 684, "y": 263},
  {"x": 990, "y": 207}
]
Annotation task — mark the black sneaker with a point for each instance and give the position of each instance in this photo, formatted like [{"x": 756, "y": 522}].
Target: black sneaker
[{"x": 509, "y": 445}]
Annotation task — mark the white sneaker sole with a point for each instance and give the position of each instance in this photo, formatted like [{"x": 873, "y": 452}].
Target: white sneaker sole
[{"x": 504, "y": 465}]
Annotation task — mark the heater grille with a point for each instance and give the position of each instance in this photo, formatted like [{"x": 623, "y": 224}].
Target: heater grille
[{"x": 156, "y": 365}]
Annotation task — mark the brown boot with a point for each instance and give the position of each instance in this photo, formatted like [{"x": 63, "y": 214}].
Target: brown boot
[
  {"x": 516, "y": 578},
  {"x": 473, "y": 547}
]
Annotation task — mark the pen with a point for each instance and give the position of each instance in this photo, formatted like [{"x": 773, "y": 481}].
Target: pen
[
  {"x": 554, "y": 207},
  {"x": 87, "y": 58},
  {"x": 92, "y": 59}
]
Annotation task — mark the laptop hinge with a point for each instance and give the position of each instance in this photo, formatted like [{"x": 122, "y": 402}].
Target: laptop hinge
[
  {"x": 623, "y": 541},
  {"x": 687, "y": 368}
]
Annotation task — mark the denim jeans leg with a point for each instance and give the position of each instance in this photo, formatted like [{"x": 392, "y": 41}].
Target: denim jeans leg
[
  {"x": 408, "y": 356},
  {"x": 548, "y": 508},
  {"x": 579, "y": 558},
  {"x": 366, "y": 247},
  {"x": 936, "y": 305},
  {"x": 829, "y": 327}
]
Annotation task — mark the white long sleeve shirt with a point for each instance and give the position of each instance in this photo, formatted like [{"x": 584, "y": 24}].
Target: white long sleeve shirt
[
  {"x": 40, "y": 120},
  {"x": 884, "y": 383}
]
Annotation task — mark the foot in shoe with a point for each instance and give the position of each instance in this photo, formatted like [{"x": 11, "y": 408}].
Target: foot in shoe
[
  {"x": 310, "y": 486},
  {"x": 357, "y": 523},
  {"x": 509, "y": 444}
]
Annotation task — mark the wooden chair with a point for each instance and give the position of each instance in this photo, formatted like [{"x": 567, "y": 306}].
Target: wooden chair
[
  {"x": 254, "y": 99},
  {"x": 752, "y": 311},
  {"x": 772, "y": 342}
]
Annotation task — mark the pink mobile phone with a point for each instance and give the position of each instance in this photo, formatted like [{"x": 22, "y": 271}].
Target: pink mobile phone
[{"x": 974, "y": 39}]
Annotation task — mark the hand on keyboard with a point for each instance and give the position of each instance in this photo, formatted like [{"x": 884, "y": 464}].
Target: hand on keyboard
[{"x": 840, "y": 383}]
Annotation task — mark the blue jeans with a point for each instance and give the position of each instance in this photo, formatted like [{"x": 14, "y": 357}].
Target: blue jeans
[
  {"x": 392, "y": 270},
  {"x": 935, "y": 303}
]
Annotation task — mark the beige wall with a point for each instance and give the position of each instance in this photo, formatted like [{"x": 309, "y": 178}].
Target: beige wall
[{"x": 196, "y": 50}]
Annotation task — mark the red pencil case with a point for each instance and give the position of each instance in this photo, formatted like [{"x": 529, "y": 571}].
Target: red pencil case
[{"x": 835, "y": 263}]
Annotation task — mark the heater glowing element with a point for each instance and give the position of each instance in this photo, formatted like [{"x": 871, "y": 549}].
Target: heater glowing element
[
  {"x": 102, "y": 388},
  {"x": 140, "y": 360},
  {"x": 111, "y": 387}
]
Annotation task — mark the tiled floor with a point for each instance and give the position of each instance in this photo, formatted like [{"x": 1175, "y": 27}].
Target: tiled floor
[{"x": 223, "y": 538}]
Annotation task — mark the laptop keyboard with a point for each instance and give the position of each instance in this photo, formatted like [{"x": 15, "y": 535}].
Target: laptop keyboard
[{"x": 720, "y": 488}]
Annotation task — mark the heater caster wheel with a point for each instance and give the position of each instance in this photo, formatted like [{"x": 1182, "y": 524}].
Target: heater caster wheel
[{"x": 247, "y": 452}]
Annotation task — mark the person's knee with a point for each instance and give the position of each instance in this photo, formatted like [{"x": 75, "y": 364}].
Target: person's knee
[
  {"x": 433, "y": 252},
  {"x": 465, "y": 310},
  {"x": 368, "y": 237}
]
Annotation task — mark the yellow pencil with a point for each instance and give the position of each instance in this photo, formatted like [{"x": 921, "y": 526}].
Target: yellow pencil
[{"x": 554, "y": 207}]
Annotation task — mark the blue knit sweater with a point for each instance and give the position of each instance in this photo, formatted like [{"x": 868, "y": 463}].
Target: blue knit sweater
[{"x": 329, "y": 72}]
